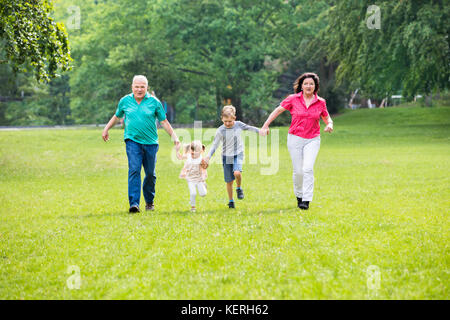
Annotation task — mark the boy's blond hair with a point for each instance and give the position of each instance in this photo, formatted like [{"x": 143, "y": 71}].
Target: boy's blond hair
[{"x": 228, "y": 111}]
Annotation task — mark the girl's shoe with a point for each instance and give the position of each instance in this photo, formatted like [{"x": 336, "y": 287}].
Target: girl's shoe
[
  {"x": 299, "y": 202},
  {"x": 193, "y": 209},
  {"x": 304, "y": 205}
]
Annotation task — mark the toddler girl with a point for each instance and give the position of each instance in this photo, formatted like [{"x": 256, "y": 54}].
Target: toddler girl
[{"x": 194, "y": 170}]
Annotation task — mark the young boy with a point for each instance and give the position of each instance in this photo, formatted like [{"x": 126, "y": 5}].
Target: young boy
[{"x": 232, "y": 150}]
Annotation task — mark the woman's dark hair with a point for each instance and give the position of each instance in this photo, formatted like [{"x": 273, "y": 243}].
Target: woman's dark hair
[{"x": 299, "y": 81}]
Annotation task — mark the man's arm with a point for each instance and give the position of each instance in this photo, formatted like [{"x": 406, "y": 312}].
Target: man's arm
[
  {"x": 166, "y": 125},
  {"x": 110, "y": 124}
]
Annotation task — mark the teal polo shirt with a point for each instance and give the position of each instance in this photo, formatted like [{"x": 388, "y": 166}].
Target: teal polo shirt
[{"x": 140, "y": 119}]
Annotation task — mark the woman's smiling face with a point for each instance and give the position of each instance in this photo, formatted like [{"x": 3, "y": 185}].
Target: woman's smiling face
[{"x": 308, "y": 86}]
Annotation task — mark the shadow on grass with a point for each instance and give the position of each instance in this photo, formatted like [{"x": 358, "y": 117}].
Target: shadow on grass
[
  {"x": 97, "y": 215},
  {"x": 184, "y": 213},
  {"x": 228, "y": 211}
]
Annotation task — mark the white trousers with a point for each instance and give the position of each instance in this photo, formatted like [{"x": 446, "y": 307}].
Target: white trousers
[
  {"x": 193, "y": 187},
  {"x": 303, "y": 154}
]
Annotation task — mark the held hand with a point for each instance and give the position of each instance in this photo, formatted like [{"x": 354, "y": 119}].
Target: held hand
[
  {"x": 177, "y": 145},
  {"x": 105, "y": 135},
  {"x": 264, "y": 131},
  {"x": 329, "y": 128},
  {"x": 204, "y": 164}
]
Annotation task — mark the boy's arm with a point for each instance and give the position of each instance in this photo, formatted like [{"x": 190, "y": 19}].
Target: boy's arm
[
  {"x": 216, "y": 142},
  {"x": 245, "y": 126}
]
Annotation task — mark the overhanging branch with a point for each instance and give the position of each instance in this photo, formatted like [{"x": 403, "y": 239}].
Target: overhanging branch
[{"x": 188, "y": 70}]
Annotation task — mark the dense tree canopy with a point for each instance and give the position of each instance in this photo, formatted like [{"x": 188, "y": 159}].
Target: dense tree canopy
[
  {"x": 407, "y": 51},
  {"x": 201, "y": 54},
  {"x": 30, "y": 37}
]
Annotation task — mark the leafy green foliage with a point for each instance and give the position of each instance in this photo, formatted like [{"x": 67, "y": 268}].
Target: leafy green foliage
[
  {"x": 26, "y": 101},
  {"x": 30, "y": 37},
  {"x": 229, "y": 41},
  {"x": 409, "y": 52},
  {"x": 200, "y": 55}
]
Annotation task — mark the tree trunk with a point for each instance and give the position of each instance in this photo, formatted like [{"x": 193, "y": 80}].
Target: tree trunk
[
  {"x": 236, "y": 101},
  {"x": 218, "y": 101},
  {"x": 196, "y": 109},
  {"x": 428, "y": 100}
]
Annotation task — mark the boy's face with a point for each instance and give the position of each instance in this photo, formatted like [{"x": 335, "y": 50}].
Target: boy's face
[{"x": 228, "y": 121}]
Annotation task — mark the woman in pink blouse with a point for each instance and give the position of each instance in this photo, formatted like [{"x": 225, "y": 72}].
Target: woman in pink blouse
[{"x": 303, "y": 140}]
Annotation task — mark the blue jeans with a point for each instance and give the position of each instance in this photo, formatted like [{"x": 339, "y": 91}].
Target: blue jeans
[{"x": 141, "y": 155}]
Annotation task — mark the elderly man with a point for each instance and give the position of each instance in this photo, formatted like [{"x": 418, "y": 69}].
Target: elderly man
[{"x": 141, "y": 138}]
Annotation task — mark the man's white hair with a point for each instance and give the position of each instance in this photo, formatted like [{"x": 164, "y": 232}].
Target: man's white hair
[{"x": 140, "y": 78}]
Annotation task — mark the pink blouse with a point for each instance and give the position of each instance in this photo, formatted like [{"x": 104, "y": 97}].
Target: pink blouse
[{"x": 305, "y": 121}]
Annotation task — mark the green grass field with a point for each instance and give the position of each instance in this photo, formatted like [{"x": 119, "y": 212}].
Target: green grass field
[{"x": 378, "y": 227}]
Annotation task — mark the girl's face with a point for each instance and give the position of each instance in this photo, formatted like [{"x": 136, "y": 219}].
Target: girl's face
[
  {"x": 196, "y": 153},
  {"x": 228, "y": 121},
  {"x": 308, "y": 86}
]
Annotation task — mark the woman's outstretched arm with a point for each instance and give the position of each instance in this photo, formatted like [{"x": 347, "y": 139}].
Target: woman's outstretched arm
[{"x": 275, "y": 113}]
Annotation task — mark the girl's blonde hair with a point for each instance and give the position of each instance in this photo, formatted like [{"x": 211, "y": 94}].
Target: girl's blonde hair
[
  {"x": 229, "y": 111},
  {"x": 195, "y": 145}
]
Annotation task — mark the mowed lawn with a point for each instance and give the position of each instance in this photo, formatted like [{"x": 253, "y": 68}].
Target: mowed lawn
[{"x": 378, "y": 227}]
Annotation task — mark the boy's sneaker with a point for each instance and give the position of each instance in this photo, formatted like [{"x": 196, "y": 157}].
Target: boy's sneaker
[
  {"x": 304, "y": 205},
  {"x": 231, "y": 205},
  {"x": 299, "y": 202},
  {"x": 134, "y": 209},
  {"x": 149, "y": 207},
  {"x": 240, "y": 193}
]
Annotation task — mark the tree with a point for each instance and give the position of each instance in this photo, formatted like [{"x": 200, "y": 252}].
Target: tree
[
  {"x": 407, "y": 50},
  {"x": 229, "y": 41},
  {"x": 106, "y": 60},
  {"x": 30, "y": 38},
  {"x": 196, "y": 54}
]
